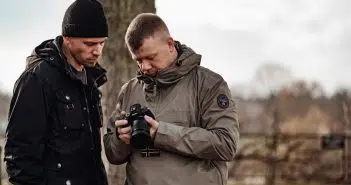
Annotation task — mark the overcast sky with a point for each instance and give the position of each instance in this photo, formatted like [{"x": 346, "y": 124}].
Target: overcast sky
[{"x": 312, "y": 38}]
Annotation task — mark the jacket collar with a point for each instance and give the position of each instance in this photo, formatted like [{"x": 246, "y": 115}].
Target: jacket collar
[
  {"x": 186, "y": 61},
  {"x": 50, "y": 51}
]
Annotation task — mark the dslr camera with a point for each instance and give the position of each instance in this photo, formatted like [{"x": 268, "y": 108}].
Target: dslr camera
[{"x": 140, "y": 128}]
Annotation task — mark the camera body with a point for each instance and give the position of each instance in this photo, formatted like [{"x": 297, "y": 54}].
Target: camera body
[{"x": 140, "y": 128}]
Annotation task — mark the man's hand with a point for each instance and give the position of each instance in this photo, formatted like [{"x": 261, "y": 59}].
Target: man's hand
[
  {"x": 124, "y": 132},
  {"x": 153, "y": 125}
]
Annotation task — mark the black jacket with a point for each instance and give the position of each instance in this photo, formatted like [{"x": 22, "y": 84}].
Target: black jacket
[{"x": 53, "y": 134}]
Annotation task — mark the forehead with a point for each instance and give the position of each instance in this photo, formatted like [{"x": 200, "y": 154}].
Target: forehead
[{"x": 148, "y": 47}]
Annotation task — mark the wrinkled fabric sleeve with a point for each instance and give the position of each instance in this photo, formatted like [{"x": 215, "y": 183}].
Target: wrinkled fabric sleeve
[
  {"x": 117, "y": 152},
  {"x": 25, "y": 133},
  {"x": 217, "y": 136}
]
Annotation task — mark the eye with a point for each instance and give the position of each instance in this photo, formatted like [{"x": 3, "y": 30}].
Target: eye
[
  {"x": 151, "y": 57},
  {"x": 89, "y": 43}
]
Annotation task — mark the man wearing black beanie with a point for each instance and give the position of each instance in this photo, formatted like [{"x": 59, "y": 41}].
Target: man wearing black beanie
[{"x": 55, "y": 117}]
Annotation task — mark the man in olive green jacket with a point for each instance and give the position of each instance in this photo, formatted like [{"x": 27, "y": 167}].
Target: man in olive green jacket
[{"x": 195, "y": 130}]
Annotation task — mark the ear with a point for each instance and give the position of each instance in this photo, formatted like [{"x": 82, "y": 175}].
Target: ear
[
  {"x": 66, "y": 40},
  {"x": 170, "y": 43}
]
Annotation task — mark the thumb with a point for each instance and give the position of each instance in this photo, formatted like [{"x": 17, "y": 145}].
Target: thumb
[{"x": 149, "y": 120}]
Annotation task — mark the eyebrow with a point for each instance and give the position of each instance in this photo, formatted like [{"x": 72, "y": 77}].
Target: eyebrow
[{"x": 92, "y": 42}]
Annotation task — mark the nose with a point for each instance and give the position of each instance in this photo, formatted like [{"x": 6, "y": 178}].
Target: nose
[
  {"x": 97, "y": 50},
  {"x": 145, "y": 66}
]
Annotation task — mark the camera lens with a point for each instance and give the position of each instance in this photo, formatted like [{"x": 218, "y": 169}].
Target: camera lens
[{"x": 140, "y": 134}]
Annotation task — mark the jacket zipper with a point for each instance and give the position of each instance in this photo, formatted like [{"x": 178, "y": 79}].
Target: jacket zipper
[
  {"x": 91, "y": 131},
  {"x": 97, "y": 109},
  {"x": 156, "y": 96}
]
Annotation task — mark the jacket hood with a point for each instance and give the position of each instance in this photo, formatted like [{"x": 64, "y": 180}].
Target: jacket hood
[
  {"x": 187, "y": 60},
  {"x": 42, "y": 51},
  {"x": 50, "y": 51}
]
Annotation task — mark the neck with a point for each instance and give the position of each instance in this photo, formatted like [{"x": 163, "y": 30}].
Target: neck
[{"x": 70, "y": 59}]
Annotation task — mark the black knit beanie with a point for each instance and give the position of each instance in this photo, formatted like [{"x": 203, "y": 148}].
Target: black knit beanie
[{"x": 85, "y": 18}]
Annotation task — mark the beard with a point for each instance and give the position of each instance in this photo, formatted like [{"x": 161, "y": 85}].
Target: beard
[{"x": 89, "y": 62}]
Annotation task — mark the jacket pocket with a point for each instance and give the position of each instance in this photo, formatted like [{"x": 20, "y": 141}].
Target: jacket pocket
[
  {"x": 54, "y": 173},
  {"x": 178, "y": 117},
  {"x": 69, "y": 112}
]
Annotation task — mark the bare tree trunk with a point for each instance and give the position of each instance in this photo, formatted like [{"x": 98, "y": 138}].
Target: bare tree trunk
[
  {"x": 118, "y": 63},
  {"x": 347, "y": 148},
  {"x": 271, "y": 178}
]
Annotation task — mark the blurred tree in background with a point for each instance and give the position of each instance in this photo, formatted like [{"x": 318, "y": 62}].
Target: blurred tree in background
[{"x": 4, "y": 108}]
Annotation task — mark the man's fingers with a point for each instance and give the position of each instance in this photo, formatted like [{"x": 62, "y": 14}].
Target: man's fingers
[
  {"x": 149, "y": 120},
  {"x": 124, "y": 130},
  {"x": 121, "y": 123},
  {"x": 125, "y": 138}
]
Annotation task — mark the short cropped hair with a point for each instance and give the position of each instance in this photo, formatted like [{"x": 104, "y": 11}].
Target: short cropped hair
[{"x": 144, "y": 25}]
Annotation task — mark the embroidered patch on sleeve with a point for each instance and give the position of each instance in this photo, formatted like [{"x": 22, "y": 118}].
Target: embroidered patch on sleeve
[{"x": 222, "y": 101}]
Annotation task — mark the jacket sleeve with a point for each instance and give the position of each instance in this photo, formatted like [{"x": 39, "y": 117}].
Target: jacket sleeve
[
  {"x": 117, "y": 152},
  {"x": 25, "y": 132},
  {"x": 217, "y": 136}
]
